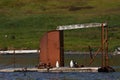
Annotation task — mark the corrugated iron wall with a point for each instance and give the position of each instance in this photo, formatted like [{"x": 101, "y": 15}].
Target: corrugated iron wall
[{"x": 52, "y": 48}]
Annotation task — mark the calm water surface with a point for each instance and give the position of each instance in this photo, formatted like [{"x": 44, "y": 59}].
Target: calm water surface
[
  {"x": 59, "y": 76},
  {"x": 31, "y": 60}
]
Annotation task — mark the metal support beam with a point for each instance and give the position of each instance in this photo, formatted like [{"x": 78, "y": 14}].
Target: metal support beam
[
  {"x": 106, "y": 46},
  {"x": 78, "y": 26}
]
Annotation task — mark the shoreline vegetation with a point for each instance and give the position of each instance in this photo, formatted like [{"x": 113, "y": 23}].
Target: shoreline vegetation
[{"x": 24, "y": 22}]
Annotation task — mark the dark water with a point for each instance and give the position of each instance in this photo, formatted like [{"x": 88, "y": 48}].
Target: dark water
[
  {"x": 59, "y": 76},
  {"x": 30, "y": 60}
]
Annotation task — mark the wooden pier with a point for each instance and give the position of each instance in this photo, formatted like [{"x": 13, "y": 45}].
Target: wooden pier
[{"x": 60, "y": 69}]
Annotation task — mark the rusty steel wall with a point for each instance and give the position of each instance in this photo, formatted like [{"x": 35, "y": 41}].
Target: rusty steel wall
[{"x": 52, "y": 48}]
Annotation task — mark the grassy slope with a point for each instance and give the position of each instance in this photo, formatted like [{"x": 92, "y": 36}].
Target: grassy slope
[{"x": 28, "y": 20}]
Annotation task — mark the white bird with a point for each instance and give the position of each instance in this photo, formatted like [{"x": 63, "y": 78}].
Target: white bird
[
  {"x": 57, "y": 64},
  {"x": 71, "y": 64}
]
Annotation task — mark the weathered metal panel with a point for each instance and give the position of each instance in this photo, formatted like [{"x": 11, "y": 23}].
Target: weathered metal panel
[
  {"x": 43, "y": 49},
  {"x": 51, "y": 48}
]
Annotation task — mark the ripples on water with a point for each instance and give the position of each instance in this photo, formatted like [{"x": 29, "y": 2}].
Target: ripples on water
[{"x": 59, "y": 76}]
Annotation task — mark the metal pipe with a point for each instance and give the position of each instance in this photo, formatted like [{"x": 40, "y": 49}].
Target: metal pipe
[
  {"x": 106, "y": 46},
  {"x": 94, "y": 56},
  {"x": 102, "y": 44}
]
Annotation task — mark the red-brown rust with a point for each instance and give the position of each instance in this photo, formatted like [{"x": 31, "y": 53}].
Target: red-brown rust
[{"x": 51, "y": 48}]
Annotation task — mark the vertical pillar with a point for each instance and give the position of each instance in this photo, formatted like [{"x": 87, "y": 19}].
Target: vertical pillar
[
  {"x": 106, "y": 46},
  {"x": 102, "y": 44},
  {"x": 61, "y": 47}
]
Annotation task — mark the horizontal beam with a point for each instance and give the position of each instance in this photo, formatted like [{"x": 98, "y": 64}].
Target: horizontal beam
[{"x": 78, "y": 26}]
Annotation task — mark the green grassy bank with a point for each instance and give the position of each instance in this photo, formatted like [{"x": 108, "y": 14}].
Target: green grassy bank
[{"x": 23, "y": 22}]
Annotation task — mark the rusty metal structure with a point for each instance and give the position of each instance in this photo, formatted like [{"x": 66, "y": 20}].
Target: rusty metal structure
[
  {"x": 51, "y": 49},
  {"x": 104, "y": 51},
  {"x": 52, "y": 46}
]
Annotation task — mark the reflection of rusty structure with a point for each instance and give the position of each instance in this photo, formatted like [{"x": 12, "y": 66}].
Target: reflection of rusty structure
[{"x": 51, "y": 48}]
